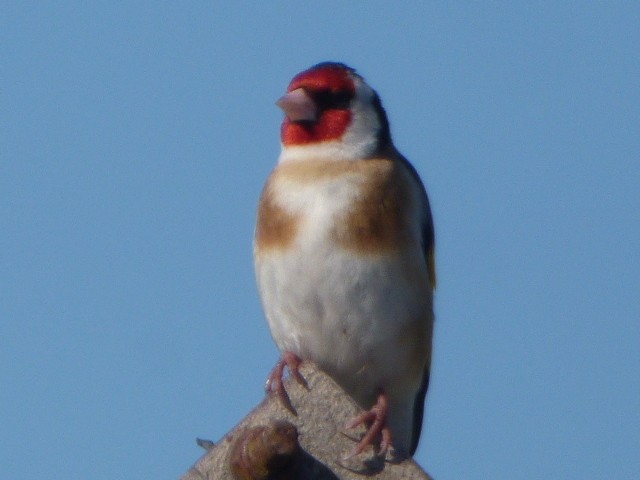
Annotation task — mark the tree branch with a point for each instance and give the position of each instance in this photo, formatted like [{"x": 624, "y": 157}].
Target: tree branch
[{"x": 271, "y": 443}]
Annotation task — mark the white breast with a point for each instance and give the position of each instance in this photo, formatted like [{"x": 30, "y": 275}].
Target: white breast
[
  {"x": 363, "y": 318},
  {"x": 339, "y": 308}
]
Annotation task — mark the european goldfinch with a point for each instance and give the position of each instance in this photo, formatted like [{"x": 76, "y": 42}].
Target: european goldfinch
[{"x": 344, "y": 254}]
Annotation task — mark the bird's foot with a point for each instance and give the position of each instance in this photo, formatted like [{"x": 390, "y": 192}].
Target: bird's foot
[
  {"x": 375, "y": 420},
  {"x": 275, "y": 381}
]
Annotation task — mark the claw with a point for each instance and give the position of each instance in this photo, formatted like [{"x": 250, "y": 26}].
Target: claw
[
  {"x": 376, "y": 422},
  {"x": 275, "y": 384}
]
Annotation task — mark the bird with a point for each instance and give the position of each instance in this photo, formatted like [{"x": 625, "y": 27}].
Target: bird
[{"x": 344, "y": 255}]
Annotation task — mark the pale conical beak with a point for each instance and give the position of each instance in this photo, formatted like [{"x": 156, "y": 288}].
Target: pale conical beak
[{"x": 298, "y": 106}]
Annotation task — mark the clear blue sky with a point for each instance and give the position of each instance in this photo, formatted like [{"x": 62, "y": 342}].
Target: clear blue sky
[{"x": 135, "y": 138}]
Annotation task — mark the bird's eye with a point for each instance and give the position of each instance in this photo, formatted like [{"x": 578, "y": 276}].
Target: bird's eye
[
  {"x": 342, "y": 99},
  {"x": 328, "y": 100}
]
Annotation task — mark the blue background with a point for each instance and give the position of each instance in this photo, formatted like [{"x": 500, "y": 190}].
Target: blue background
[{"x": 135, "y": 139}]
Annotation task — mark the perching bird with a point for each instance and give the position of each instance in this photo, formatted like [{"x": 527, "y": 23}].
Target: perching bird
[{"x": 344, "y": 254}]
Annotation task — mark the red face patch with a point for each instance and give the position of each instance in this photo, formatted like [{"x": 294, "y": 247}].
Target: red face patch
[
  {"x": 331, "y": 86},
  {"x": 330, "y": 77}
]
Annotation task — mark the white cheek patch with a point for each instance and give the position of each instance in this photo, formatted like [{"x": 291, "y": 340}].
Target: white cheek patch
[{"x": 362, "y": 134}]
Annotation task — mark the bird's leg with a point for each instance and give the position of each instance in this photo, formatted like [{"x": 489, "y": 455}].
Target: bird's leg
[
  {"x": 375, "y": 420},
  {"x": 275, "y": 384}
]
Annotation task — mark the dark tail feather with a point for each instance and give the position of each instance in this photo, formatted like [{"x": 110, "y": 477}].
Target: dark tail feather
[{"x": 418, "y": 413}]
